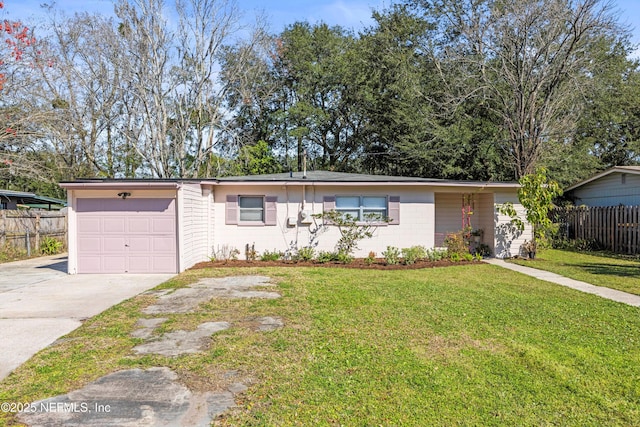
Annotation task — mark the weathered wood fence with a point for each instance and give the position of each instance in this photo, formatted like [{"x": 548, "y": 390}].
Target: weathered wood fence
[
  {"x": 24, "y": 230},
  {"x": 614, "y": 228}
]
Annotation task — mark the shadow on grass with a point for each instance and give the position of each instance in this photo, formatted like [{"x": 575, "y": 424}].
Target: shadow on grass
[{"x": 611, "y": 269}]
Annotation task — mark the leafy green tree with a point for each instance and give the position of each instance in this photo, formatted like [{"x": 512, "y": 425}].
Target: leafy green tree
[
  {"x": 313, "y": 65},
  {"x": 536, "y": 194},
  {"x": 390, "y": 77},
  {"x": 610, "y": 125},
  {"x": 525, "y": 61},
  {"x": 255, "y": 160}
]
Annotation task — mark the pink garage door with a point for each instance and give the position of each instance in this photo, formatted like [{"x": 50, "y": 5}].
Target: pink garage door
[{"x": 126, "y": 236}]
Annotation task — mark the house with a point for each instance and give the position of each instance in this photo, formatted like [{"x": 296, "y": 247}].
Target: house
[
  {"x": 167, "y": 226},
  {"x": 617, "y": 186},
  {"x": 12, "y": 200}
]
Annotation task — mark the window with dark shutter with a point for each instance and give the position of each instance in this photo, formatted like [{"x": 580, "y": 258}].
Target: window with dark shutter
[{"x": 251, "y": 210}]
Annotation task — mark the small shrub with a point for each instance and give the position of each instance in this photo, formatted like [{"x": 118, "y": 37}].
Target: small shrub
[
  {"x": 370, "y": 259},
  {"x": 483, "y": 250},
  {"x": 343, "y": 257},
  {"x": 468, "y": 257},
  {"x": 271, "y": 256},
  {"x": 11, "y": 253},
  {"x": 304, "y": 254},
  {"x": 457, "y": 244},
  {"x": 50, "y": 246},
  {"x": 391, "y": 255},
  {"x": 325, "y": 257},
  {"x": 413, "y": 254},
  {"x": 250, "y": 252},
  {"x": 225, "y": 253},
  {"x": 454, "y": 257},
  {"x": 436, "y": 254},
  {"x": 580, "y": 245}
]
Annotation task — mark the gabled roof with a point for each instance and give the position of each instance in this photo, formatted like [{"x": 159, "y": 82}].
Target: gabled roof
[
  {"x": 30, "y": 199},
  {"x": 635, "y": 170}
]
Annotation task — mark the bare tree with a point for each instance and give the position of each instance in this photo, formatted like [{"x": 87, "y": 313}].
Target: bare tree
[
  {"x": 525, "y": 60},
  {"x": 84, "y": 92},
  {"x": 176, "y": 76}
]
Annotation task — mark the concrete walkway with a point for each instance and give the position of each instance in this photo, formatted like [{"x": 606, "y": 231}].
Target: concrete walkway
[
  {"x": 547, "y": 276},
  {"x": 39, "y": 303}
]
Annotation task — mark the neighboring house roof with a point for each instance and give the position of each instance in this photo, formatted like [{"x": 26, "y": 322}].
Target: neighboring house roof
[
  {"x": 635, "y": 170},
  {"x": 31, "y": 199}
]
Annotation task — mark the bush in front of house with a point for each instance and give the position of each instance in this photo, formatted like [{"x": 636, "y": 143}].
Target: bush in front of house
[
  {"x": 271, "y": 256},
  {"x": 391, "y": 255},
  {"x": 457, "y": 246},
  {"x": 413, "y": 254}
]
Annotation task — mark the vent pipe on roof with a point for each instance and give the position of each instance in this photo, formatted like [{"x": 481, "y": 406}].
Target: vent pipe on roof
[{"x": 304, "y": 164}]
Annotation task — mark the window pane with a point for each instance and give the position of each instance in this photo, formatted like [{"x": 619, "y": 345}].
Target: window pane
[
  {"x": 347, "y": 202},
  {"x": 355, "y": 214},
  {"x": 250, "y": 202},
  {"x": 375, "y": 214},
  {"x": 251, "y": 215},
  {"x": 374, "y": 202}
]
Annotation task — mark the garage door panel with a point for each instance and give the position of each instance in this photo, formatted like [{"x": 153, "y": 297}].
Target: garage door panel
[
  {"x": 113, "y": 244},
  {"x": 113, "y": 225},
  {"x": 139, "y": 225},
  {"x": 163, "y": 244},
  {"x": 89, "y": 264},
  {"x": 114, "y": 264},
  {"x": 90, "y": 244},
  {"x": 139, "y": 264},
  {"x": 132, "y": 235},
  {"x": 89, "y": 224},
  {"x": 163, "y": 225},
  {"x": 140, "y": 244}
]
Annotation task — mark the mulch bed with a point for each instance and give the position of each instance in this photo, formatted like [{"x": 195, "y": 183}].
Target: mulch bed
[{"x": 358, "y": 263}]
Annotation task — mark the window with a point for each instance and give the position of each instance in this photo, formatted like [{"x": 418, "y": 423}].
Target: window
[
  {"x": 3, "y": 205},
  {"x": 251, "y": 208},
  {"x": 362, "y": 208}
]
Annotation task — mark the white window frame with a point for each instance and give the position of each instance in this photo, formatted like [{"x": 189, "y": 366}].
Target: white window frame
[
  {"x": 363, "y": 210},
  {"x": 241, "y": 209}
]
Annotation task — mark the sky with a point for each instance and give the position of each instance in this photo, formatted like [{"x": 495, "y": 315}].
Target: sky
[{"x": 350, "y": 14}]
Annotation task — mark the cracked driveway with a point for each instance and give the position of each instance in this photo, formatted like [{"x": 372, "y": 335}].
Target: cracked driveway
[{"x": 39, "y": 303}]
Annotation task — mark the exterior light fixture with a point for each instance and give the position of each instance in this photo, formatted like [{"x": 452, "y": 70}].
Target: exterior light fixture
[{"x": 124, "y": 194}]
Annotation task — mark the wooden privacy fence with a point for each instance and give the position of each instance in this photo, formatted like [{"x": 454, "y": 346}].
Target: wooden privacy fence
[
  {"x": 24, "y": 230},
  {"x": 614, "y": 228}
]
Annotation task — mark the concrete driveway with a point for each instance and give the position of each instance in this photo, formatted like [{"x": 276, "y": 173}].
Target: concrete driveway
[{"x": 40, "y": 302}]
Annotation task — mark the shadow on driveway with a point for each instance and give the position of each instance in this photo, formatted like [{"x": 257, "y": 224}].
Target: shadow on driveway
[{"x": 60, "y": 266}]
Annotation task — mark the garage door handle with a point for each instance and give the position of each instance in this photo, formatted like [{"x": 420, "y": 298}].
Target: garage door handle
[{"x": 126, "y": 246}]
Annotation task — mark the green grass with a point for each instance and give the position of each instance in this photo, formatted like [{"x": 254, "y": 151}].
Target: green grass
[
  {"x": 465, "y": 345},
  {"x": 596, "y": 269}
]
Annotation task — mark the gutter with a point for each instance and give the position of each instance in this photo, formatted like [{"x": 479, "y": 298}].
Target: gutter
[{"x": 118, "y": 185}]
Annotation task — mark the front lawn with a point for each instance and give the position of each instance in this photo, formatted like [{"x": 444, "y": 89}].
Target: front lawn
[
  {"x": 599, "y": 270},
  {"x": 463, "y": 345}
]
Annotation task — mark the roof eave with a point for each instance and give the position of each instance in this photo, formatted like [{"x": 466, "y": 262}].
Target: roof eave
[
  {"x": 112, "y": 185},
  {"x": 601, "y": 175},
  {"x": 452, "y": 184}
]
